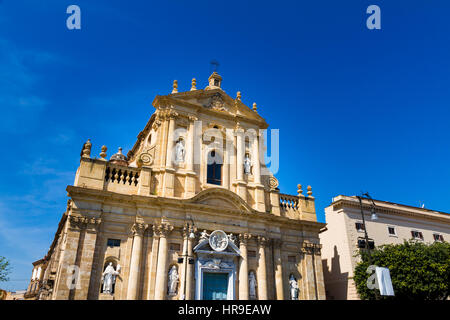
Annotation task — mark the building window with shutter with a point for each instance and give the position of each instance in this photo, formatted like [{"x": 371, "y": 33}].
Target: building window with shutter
[
  {"x": 438, "y": 237},
  {"x": 417, "y": 235}
]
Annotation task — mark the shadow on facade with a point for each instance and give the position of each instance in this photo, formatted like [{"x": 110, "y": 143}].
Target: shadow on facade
[{"x": 335, "y": 280}]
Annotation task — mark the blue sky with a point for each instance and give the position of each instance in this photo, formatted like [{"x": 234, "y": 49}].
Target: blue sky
[{"x": 358, "y": 109}]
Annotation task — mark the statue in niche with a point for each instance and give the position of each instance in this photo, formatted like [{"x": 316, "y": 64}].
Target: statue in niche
[
  {"x": 109, "y": 278},
  {"x": 180, "y": 151},
  {"x": 204, "y": 236},
  {"x": 247, "y": 164},
  {"x": 173, "y": 281},
  {"x": 293, "y": 287},
  {"x": 252, "y": 284}
]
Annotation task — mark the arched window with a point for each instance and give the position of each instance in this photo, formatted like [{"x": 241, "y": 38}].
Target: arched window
[{"x": 214, "y": 170}]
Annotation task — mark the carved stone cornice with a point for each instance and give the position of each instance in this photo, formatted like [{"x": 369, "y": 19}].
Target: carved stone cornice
[
  {"x": 262, "y": 241},
  {"x": 138, "y": 229},
  {"x": 162, "y": 230}
]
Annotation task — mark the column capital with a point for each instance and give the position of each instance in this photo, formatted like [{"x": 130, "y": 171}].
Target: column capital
[
  {"x": 171, "y": 115},
  {"x": 138, "y": 229},
  {"x": 262, "y": 241},
  {"x": 162, "y": 230},
  {"x": 192, "y": 118},
  {"x": 81, "y": 222},
  {"x": 244, "y": 237},
  {"x": 311, "y": 248},
  {"x": 187, "y": 229}
]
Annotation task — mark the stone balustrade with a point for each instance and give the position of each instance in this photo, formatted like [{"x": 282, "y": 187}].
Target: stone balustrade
[{"x": 121, "y": 179}]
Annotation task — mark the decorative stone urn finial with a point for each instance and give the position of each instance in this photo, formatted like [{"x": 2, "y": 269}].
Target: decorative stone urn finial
[
  {"x": 86, "y": 152},
  {"x": 309, "y": 191},
  {"x": 299, "y": 190},
  {"x": 103, "y": 153},
  {"x": 175, "y": 86},
  {"x": 254, "y": 107},
  {"x": 193, "y": 84},
  {"x": 238, "y": 96}
]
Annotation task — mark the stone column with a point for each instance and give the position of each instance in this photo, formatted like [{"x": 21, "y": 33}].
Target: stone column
[
  {"x": 243, "y": 267},
  {"x": 239, "y": 154},
  {"x": 68, "y": 278},
  {"x": 163, "y": 231},
  {"x": 190, "y": 267},
  {"x": 190, "y": 145},
  {"x": 240, "y": 146},
  {"x": 256, "y": 162},
  {"x": 183, "y": 272},
  {"x": 138, "y": 230},
  {"x": 190, "y": 148},
  {"x": 170, "y": 143},
  {"x": 278, "y": 269},
  {"x": 262, "y": 270}
]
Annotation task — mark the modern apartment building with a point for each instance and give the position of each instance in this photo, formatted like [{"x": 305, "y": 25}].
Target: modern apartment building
[{"x": 345, "y": 235}]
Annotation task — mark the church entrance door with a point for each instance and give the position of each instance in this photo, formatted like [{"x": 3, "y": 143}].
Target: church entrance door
[{"x": 215, "y": 286}]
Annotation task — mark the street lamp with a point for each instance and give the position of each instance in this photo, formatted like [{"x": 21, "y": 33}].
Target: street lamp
[{"x": 373, "y": 217}]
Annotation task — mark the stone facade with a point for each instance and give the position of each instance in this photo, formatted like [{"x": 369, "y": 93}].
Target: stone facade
[
  {"x": 395, "y": 224},
  {"x": 155, "y": 208}
]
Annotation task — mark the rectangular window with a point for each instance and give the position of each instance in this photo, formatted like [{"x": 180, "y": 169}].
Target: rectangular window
[
  {"x": 391, "y": 231},
  {"x": 417, "y": 235},
  {"x": 175, "y": 247},
  {"x": 438, "y": 237},
  {"x": 291, "y": 259},
  {"x": 359, "y": 226},
  {"x": 113, "y": 243},
  {"x": 251, "y": 253}
]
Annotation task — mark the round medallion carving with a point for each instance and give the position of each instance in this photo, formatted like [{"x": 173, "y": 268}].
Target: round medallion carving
[{"x": 218, "y": 240}]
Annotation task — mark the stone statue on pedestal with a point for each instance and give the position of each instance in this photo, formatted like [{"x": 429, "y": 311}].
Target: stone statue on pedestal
[
  {"x": 247, "y": 164},
  {"x": 293, "y": 287},
  {"x": 180, "y": 151},
  {"x": 109, "y": 278},
  {"x": 203, "y": 236},
  {"x": 173, "y": 281},
  {"x": 252, "y": 284}
]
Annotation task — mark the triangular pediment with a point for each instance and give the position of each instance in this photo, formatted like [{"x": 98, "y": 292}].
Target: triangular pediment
[
  {"x": 216, "y": 101},
  {"x": 221, "y": 198}
]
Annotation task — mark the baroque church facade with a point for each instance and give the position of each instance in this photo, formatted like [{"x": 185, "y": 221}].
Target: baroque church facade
[{"x": 191, "y": 212}]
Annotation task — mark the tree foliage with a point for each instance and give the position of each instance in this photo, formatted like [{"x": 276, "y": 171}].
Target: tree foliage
[
  {"x": 5, "y": 269},
  {"x": 418, "y": 271}
]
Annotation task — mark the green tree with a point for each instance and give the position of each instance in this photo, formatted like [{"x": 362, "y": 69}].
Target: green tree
[
  {"x": 5, "y": 269},
  {"x": 418, "y": 271}
]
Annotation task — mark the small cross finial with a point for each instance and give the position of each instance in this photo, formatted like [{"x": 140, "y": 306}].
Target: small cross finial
[
  {"x": 175, "y": 86},
  {"x": 299, "y": 190},
  {"x": 215, "y": 65},
  {"x": 193, "y": 84}
]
